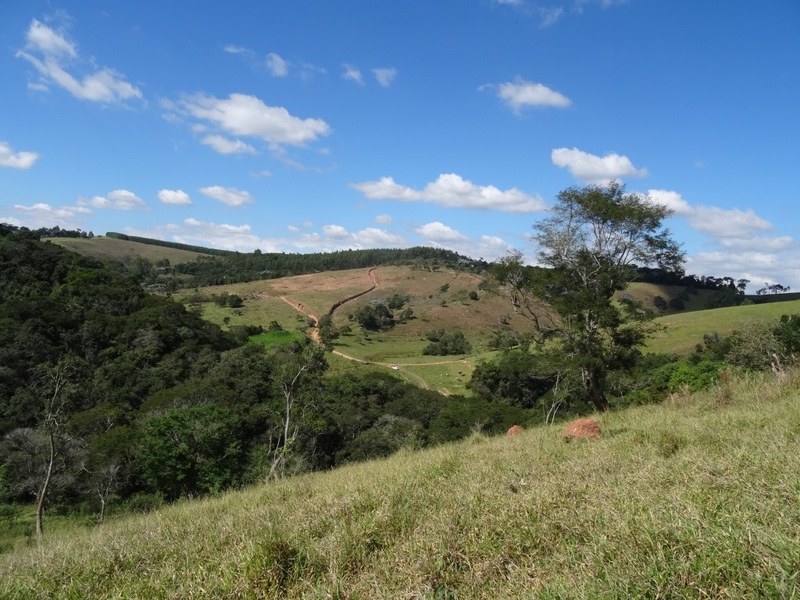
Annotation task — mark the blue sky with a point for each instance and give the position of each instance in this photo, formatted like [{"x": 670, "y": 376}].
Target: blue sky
[{"x": 304, "y": 126}]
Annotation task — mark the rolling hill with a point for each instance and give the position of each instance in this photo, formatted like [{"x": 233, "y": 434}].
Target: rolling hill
[{"x": 107, "y": 248}]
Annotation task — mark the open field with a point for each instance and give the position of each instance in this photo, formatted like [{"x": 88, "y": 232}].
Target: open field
[
  {"x": 682, "y": 332},
  {"x": 105, "y": 248},
  {"x": 694, "y": 498}
]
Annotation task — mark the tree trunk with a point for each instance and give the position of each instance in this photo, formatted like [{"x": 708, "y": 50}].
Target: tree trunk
[
  {"x": 102, "y": 508},
  {"x": 594, "y": 388},
  {"x": 45, "y": 486}
]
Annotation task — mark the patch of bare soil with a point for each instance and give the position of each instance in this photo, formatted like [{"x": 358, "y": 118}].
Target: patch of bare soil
[{"x": 582, "y": 429}]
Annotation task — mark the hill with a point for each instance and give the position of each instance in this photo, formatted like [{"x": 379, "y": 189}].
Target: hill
[
  {"x": 682, "y": 332},
  {"x": 108, "y": 248},
  {"x": 441, "y": 299},
  {"x": 692, "y": 498}
]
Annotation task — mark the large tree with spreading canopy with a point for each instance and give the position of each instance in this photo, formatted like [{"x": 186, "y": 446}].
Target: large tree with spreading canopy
[{"x": 590, "y": 246}]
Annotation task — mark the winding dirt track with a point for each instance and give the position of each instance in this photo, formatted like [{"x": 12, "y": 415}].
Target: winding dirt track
[{"x": 314, "y": 335}]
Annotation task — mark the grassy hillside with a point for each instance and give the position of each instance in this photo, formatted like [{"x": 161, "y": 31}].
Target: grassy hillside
[
  {"x": 439, "y": 299},
  {"x": 647, "y": 292},
  {"x": 685, "y": 330},
  {"x": 105, "y": 248},
  {"x": 693, "y": 498}
]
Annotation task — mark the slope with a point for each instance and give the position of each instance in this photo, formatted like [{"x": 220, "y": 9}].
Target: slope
[
  {"x": 692, "y": 498},
  {"x": 682, "y": 332}
]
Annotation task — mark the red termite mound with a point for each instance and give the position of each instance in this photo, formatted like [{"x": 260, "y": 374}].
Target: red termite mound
[
  {"x": 515, "y": 430},
  {"x": 582, "y": 429}
]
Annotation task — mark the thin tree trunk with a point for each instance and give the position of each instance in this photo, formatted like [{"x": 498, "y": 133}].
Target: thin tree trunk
[
  {"x": 102, "y": 508},
  {"x": 45, "y": 486}
]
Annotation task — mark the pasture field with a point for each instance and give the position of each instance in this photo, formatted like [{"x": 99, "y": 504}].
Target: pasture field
[
  {"x": 105, "y": 248},
  {"x": 682, "y": 332},
  {"x": 692, "y": 498}
]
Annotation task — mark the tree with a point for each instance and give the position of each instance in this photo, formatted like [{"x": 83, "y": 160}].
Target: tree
[
  {"x": 188, "y": 451},
  {"x": 53, "y": 425},
  {"x": 292, "y": 366},
  {"x": 374, "y": 317},
  {"x": 591, "y": 244},
  {"x": 41, "y": 459}
]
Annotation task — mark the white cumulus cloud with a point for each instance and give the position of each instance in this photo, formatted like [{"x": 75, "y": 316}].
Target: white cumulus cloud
[
  {"x": 742, "y": 250},
  {"x": 373, "y": 237},
  {"x": 452, "y": 191},
  {"x": 335, "y": 231},
  {"x": 593, "y": 169},
  {"x": 45, "y": 215},
  {"x": 51, "y": 54},
  {"x": 16, "y": 160},
  {"x": 242, "y": 115},
  {"x": 228, "y": 195},
  {"x": 385, "y": 76},
  {"x": 439, "y": 232},
  {"x": 520, "y": 93},
  {"x": 672, "y": 200},
  {"x": 225, "y": 146},
  {"x": 224, "y": 236},
  {"x": 176, "y": 197},
  {"x": 116, "y": 200},
  {"x": 713, "y": 220}
]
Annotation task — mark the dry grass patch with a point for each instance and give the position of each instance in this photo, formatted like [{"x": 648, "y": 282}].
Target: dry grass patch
[{"x": 105, "y": 248}]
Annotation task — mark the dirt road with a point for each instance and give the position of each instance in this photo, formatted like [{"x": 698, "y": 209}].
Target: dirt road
[{"x": 314, "y": 333}]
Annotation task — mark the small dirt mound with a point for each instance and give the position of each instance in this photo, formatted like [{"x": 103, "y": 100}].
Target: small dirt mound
[
  {"x": 582, "y": 429},
  {"x": 515, "y": 430}
]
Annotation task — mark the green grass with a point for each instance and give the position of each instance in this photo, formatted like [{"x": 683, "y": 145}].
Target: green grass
[
  {"x": 105, "y": 248},
  {"x": 695, "y": 498},
  {"x": 682, "y": 332},
  {"x": 277, "y": 337},
  {"x": 261, "y": 311}
]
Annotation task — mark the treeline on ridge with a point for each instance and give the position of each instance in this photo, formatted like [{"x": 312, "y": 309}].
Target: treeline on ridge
[{"x": 224, "y": 266}]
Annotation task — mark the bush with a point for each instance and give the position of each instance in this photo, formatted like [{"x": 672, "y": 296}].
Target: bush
[
  {"x": 396, "y": 301},
  {"x": 448, "y": 344},
  {"x": 677, "y": 304},
  {"x": 694, "y": 377},
  {"x": 756, "y": 347}
]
